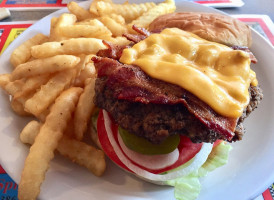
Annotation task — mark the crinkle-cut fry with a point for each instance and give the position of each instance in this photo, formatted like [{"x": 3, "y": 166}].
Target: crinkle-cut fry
[
  {"x": 89, "y": 71},
  {"x": 53, "y": 23},
  {"x": 118, "y": 18},
  {"x": 128, "y": 11},
  {"x": 82, "y": 68},
  {"x": 115, "y": 40},
  {"x": 94, "y": 136},
  {"x": 30, "y": 131},
  {"x": 15, "y": 86},
  {"x": 70, "y": 128},
  {"x": 83, "y": 154},
  {"x": 43, "y": 66},
  {"x": 78, "y": 152},
  {"x": 31, "y": 84},
  {"x": 71, "y": 46},
  {"x": 84, "y": 109},
  {"x": 42, "y": 150},
  {"x": 79, "y": 11},
  {"x": 65, "y": 19},
  {"x": 43, "y": 115},
  {"x": 84, "y": 31},
  {"x": 18, "y": 108},
  {"x": 4, "y": 80},
  {"x": 168, "y": 6},
  {"x": 22, "y": 53},
  {"x": 116, "y": 28},
  {"x": 92, "y": 7},
  {"x": 48, "y": 92}
]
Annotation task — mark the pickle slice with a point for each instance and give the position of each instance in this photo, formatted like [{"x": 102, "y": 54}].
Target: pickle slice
[{"x": 141, "y": 145}]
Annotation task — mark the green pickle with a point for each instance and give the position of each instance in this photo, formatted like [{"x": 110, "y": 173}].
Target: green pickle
[{"x": 143, "y": 146}]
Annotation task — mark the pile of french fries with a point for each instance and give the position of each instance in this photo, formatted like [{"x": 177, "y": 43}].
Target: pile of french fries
[{"x": 53, "y": 80}]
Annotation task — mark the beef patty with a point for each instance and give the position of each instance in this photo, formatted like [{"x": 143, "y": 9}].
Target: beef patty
[{"x": 156, "y": 122}]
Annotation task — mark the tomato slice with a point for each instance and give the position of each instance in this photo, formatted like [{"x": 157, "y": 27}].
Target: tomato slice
[
  {"x": 187, "y": 149},
  {"x": 104, "y": 140}
]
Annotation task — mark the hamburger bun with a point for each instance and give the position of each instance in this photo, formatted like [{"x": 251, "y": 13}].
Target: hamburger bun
[{"x": 210, "y": 26}]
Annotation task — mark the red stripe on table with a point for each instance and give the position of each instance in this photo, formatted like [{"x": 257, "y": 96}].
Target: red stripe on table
[
  {"x": 2, "y": 171},
  {"x": 57, "y": 4},
  {"x": 263, "y": 25},
  {"x": 267, "y": 195}
]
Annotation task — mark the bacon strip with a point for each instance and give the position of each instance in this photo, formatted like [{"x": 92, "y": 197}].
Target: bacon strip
[
  {"x": 247, "y": 50},
  {"x": 113, "y": 51},
  {"x": 130, "y": 83}
]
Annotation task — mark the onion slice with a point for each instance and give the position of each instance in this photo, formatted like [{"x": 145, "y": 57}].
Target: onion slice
[
  {"x": 195, "y": 164},
  {"x": 150, "y": 161}
]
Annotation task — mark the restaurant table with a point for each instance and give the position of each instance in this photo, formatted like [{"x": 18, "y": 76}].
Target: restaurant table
[
  {"x": 8, "y": 189},
  {"x": 265, "y": 7}
]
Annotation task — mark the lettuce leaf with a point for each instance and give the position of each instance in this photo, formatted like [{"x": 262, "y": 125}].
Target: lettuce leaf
[
  {"x": 217, "y": 158},
  {"x": 188, "y": 187}
]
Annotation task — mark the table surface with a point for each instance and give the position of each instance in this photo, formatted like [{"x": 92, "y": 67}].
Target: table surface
[
  {"x": 254, "y": 7},
  {"x": 251, "y": 7}
]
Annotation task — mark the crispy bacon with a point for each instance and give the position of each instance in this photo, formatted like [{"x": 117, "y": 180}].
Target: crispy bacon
[
  {"x": 130, "y": 83},
  {"x": 113, "y": 51},
  {"x": 141, "y": 30},
  {"x": 247, "y": 50},
  {"x": 134, "y": 37},
  {"x": 143, "y": 34}
]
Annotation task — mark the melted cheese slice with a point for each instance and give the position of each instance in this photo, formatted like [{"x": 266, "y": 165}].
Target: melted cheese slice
[{"x": 213, "y": 72}]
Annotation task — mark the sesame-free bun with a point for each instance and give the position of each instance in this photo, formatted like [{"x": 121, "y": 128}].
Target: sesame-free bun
[{"x": 210, "y": 26}]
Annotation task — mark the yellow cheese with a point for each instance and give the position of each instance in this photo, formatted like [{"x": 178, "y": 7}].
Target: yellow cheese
[{"x": 213, "y": 72}]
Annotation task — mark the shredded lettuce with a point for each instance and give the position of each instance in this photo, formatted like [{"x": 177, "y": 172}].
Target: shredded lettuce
[{"x": 188, "y": 187}]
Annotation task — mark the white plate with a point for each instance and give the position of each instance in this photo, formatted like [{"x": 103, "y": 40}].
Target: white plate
[{"x": 249, "y": 172}]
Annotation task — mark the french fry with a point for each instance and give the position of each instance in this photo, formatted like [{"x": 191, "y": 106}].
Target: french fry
[
  {"x": 18, "y": 108},
  {"x": 13, "y": 87},
  {"x": 29, "y": 132},
  {"x": 116, "y": 28},
  {"x": 53, "y": 22},
  {"x": 85, "y": 31},
  {"x": 128, "y": 11},
  {"x": 94, "y": 136},
  {"x": 118, "y": 18},
  {"x": 168, "y": 6},
  {"x": 43, "y": 115},
  {"x": 48, "y": 93},
  {"x": 84, "y": 109},
  {"x": 4, "y": 80},
  {"x": 93, "y": 9},
  {"x": 78, "y": 152},
  {"x": 64, "y": 20},
  {"x": 22, "y": 53},
  {"x": 88, "y": 72},
  {"x": 43, "y": 66},
  {"x": 79, "y": 12},
  {"x": 32, "y": 84},
  {"x": 42, "y": 150},
  {"x": 83, "y": 154},
  {"x": 72, "y": 46}
]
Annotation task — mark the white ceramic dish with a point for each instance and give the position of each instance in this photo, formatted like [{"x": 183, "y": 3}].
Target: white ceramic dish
[{"x": 249, "y": 172}]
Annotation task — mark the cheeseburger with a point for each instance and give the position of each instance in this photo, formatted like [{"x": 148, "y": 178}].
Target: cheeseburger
[{"x": 171, "y": 100}]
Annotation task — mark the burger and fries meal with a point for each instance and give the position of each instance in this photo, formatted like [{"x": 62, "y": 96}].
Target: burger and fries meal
[{"x": 160, "y": 93}]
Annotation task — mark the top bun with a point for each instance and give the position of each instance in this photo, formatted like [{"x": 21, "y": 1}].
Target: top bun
[{"x": 210, "y": 26}]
